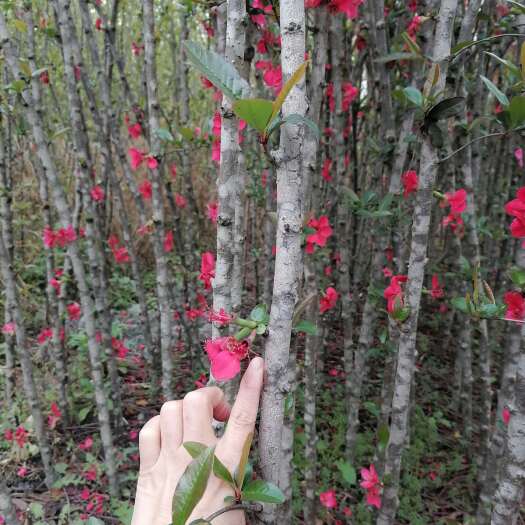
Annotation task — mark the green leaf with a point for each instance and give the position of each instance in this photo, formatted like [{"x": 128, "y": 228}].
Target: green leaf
[
  {"x": 502, "y": 98},
  {"x": 259, "y": 314},
  {"x": 517, "y": 276},
  {"x": 219, "y": 72},
  {"x": 520, "y": 7},
  {"x": 241, "y": 469},
  {"x": 447, "y": 108},
  {"x": 347, "y": 471},
  {"x": 164, "y": 135},
  {"x": 261, "y": 329},
  {"x": 200, "y": 521},
  {"x": 255, "y": 111},
  {"x": 248, "y": 474},
  {"x": 20, "y": 25},
  {"x": 460, "y": 303},
  {"x": 290, "y": 83},
  {"x": 461, "y": 45},
  {"x": 489, "y": 310},
  {"x": 414, "y": 95},
  {"x": 401, "y": 314},
  {"x": 294, "y": 118},
  {"x": 187, "y": 133},
  {"x": 411, "y": 44},
  {"x": 515, "y": 70},
  {"x": 264, "y": 491},
  {"x": 83, "y": 413},
  {"x": 194, "y": 448},
  {"x": 191, "y": 486},
  {"x": 306, "y": 326},
  {"x": 517, "y": 111},
  {"x": 393, "y": 57},
  {"x": 383, "y": 435}
]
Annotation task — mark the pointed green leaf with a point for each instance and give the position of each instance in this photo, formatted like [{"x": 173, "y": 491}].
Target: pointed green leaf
[
  {"x": 191, "y": 486},
  {"x": 509, "y": 65},
  {"x": 241, "y": 469},
  {"x": 195, "y": 449},
  {"x": 306, "y": 326},
  {"x": 414, "y": 95},
  {"x": 248, "y": 474},
  {"x": 383, "y": 435},
  {"x": 461, "y": 45},
  {"x": 347, "y": 471},
  {"x": 255, "y": 111},
  {"x": 290, "y": 83},
  {"x": 502, "y": 98},
  {"x": 219, "y": 72},
  {"x": 393, "y": 57},
  {"x": 517, "y": 111},
  {"x": 264, "y": 491},
  {"x": 460, "y": 303}
]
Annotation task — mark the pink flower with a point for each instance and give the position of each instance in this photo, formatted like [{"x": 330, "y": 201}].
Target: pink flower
[
  {"x": 216, "y": 128},
  {"x": 414, "y": 26},
  {"x": 135, "y": 130},
  {"x": 410, "y": 181},
  {"x": 85, "y": 494},
  {"x": 273, "y": 78},
  {"x": 310, "y": 4},
  {"x": 328, "y": 300},
  {"x": 225, "y": 355},
  {"x": 121, "y": 255},
  {"x": 22, "y": 472},
  {"x": 86, "y": 444},
  {"x": 437, "y": 290},
  {"x": 65, "y": 236},
  {"x": 212, "y": 210},
  {"x": 221, "y": 317},
  {"x": 145, "y": 189},
  {"x": 323, "y": 231},
  {"x": 97, "y": 193},
  {"x": 152, "y": 162},
  {"x": 91, "y": 473},
  {"x": 328, "y": 499},
  {"x": 168, "y": 242},
  {"x": 136, "y": 49},
  {"x": 136, "y": 158},
  {"x": 180, "y": 200},
  {"x": 394, "y": 293},
  {"x": 207, "y": 269},
  {"x": 74, "y": 311},
  {"x": 54, "y": 416},
  {"x": 518, "y": 155},
  {"x": 370, "y": 482},
  {"x": 325, "y": 172},
  {"x": 349, "y": 7},
  {"x": 9, "y": 328},
  {"x": 387, "y": 272},
  {"x": 216, "y": 151},
  {"x": 412, "y": 6},
  {"x": 515, "y": 306},
  {"x": 505, "y": 415},
  {"x": 48, "y": 237}
]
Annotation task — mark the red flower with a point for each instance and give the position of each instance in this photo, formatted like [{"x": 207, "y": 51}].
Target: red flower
[
  {"x": 387, "y": 272},
  {"x": 145, "y": 189},
  {"x": 201, "y": 381},
  {"x": 371, "y": 484},
  {"x": 91, "y": 473},
  {"x": 518, "y": 155},
  {"x": 44, "y": 335},
  {"x": 457, "y": 201},
  {"x": 121, "y": 255},
  {"x": 414, "y": 26},
  {"x": 97, "y": 193},
  {"x": 20, "y": 436},
  {"x": 394, "y": 293},
  {"x": 207, "y": 269},
  {"x": 410, "y": 182},
  {"x": 226, "y": 354},
  {"x": 349, "y": 7},
  {"x": 216, "y": 128},
  {"x": 515, "y": 306},
  {"x": 48, "y": 237},
  {"x": 516, "y": 208},
  {"x": 74, "y": 311},
  {"x": 8, "y": 434},
  {"x": 194, "y": 313},
  {"x": 437, "y": 291},
  {"x": 309, "y": 4},
  {"x": 180, "y": 200},
  {"x": 505, "y": 415},
  {"x": 168, "y": 242},
  {"x": 412, "y": 6},
  {"x": 350, "y": 93},
  {"x": 273, "y": 78},
  {"x": 216, "y": 151},
  {"x": 44, "y": 77},
  {"x": 328, "y": 499},
  {"x": 85, "y": 494},
  {"x": 323, "y": 231},
  {"x": 22, "y": 472},
  {"x": 328, "y": 300},
  {"x": 135, "y": 130},
  {"x": 136, "y": 49},
  {"x": 98, "y": 24},
  {"x": 325, "y": 172}
]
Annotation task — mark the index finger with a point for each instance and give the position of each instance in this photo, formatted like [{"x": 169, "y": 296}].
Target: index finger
[{"x": 243, "y": 415}]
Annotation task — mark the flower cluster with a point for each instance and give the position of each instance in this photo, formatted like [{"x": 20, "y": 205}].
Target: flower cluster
[
  {"x": 323, "y": 231},
  {"x": 225, "y": 355},
  {"x": 61, "y": 237},
  {"x": 394, "y": 293},
  {"x": 458, "y": 204}
]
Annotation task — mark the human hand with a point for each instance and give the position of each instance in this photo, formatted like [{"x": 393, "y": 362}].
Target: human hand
[{"x": 163, "y": 459}]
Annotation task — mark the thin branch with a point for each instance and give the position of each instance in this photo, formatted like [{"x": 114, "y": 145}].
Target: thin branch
[
  {"x": 498, "y": 134},
  {"x": 254, "y": 507}
]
